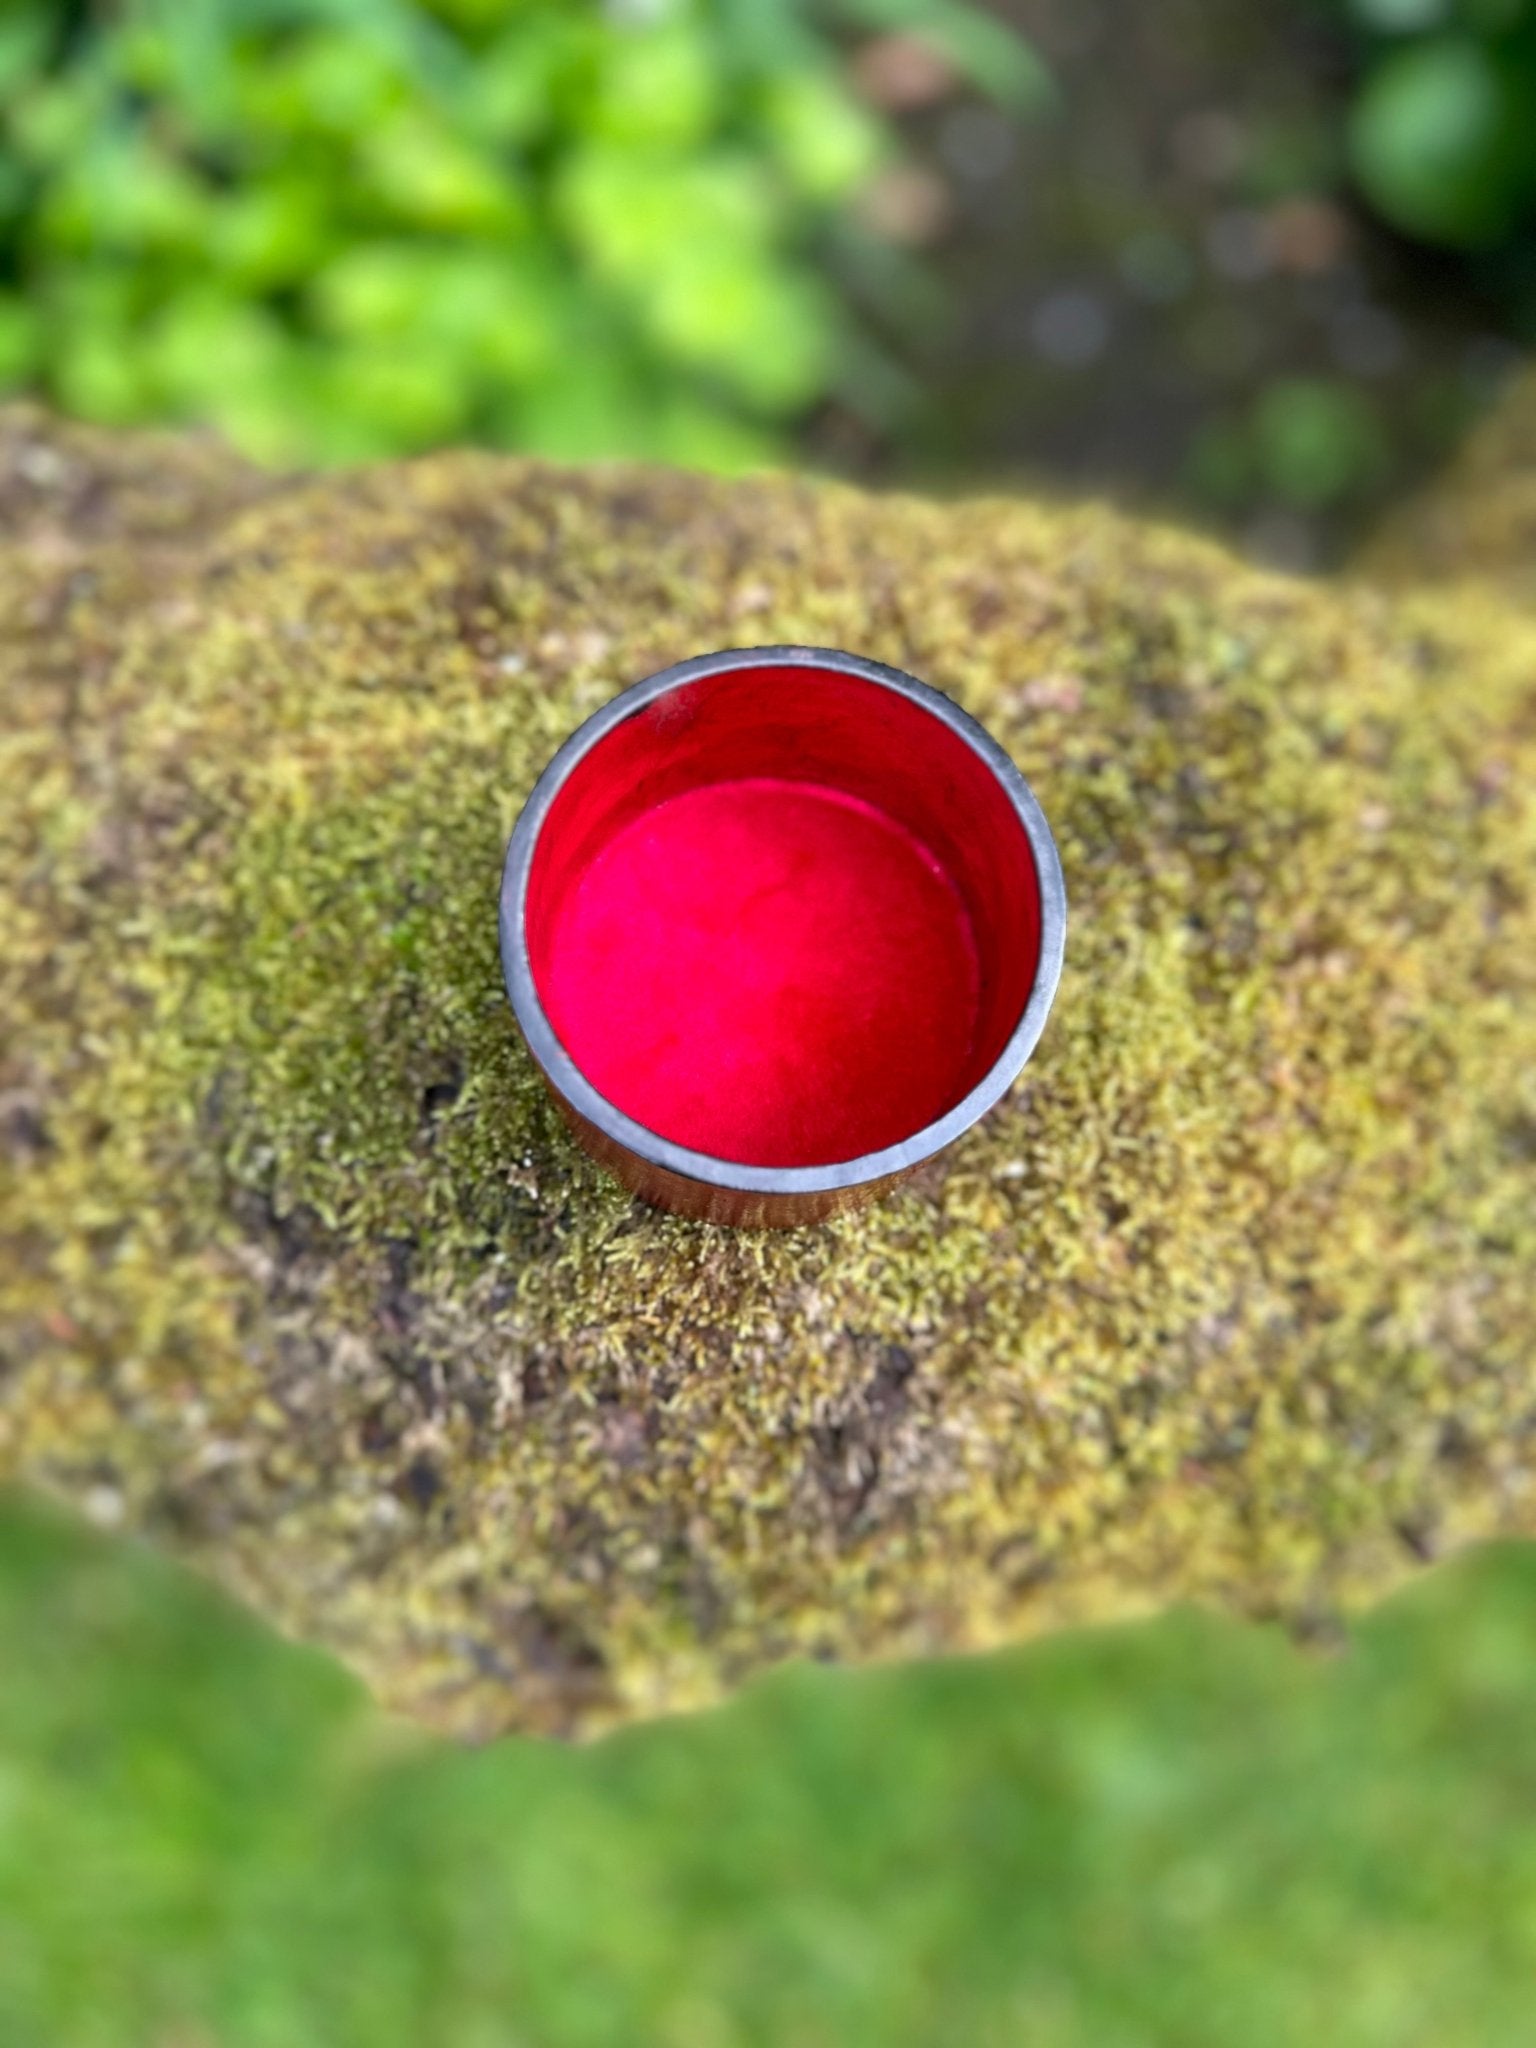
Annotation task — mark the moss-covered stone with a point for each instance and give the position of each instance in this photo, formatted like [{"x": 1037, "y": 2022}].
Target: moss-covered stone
[
  {"x": 1477, "y": 526},
  {"x": 1231, "y": 1300}
]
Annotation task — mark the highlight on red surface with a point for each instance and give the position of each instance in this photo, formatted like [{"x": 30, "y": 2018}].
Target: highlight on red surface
[{"x": 783, "y": 914}]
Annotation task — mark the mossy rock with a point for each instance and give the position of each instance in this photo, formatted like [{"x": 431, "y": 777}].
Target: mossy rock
[
  {"x": 1477, "y": 526},
  {"x": 1231, "y": 1300}
]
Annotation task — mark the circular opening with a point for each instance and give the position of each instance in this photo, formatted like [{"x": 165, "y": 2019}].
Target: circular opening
[{"x": 783, "y": 915}]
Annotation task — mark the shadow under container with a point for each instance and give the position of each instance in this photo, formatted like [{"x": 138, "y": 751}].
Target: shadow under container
[{"x": 778, "y": 925}]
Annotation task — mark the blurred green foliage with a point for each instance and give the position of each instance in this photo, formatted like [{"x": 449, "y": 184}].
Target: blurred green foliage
[
  {"x": 1303, "y": 443},
  {"x": 1185, "y": 1834},
  {"x": 338, "y": 229},
  {"x": 1442, "y": 134}
]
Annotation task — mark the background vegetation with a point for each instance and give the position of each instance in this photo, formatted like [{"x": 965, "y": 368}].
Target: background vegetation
[
  {"x": 911, "y": 239},
  {"x": 1443, "y": 130},
  {"x": 338, "y": 229}
]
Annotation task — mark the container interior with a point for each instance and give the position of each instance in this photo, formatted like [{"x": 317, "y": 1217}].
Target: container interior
[{"x": 783, "y": 915}]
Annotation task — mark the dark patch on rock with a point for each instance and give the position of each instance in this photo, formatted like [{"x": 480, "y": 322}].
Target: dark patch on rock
[
  {"x": 23, "y": 1130},
  {"x": 421, "y": 1484}
]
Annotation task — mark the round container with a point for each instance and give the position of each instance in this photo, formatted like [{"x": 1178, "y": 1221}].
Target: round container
[{"x": 778, "y": 924}]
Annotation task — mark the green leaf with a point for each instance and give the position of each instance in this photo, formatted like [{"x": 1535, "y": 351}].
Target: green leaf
[
  {"x": 408, "y": 398},
  {"x": 269, "y": 235},
  {"x": 520, "y": 86},
  {"x": 15, "y": 189},
  {"x": 375, "y": 289},
  {"x": 54, "y": 119},
  {"x": 309, "y": 419},
  {"x": 697, "y": 435},
  {"x": 478, "y": 306},
  {"x": 141, "y": 58},
  {"x": 1399, "y": 17},
  {"x": 479, "y": 309},
  {"x": 324, "y": 84},
  {"x": 195, "y": 54},
  {"x": 629, "y": 212},
  {"x": 1442, "y": 143},
  {"x": 768, "y": 38},
  {"x": 472, "y": 16},
  {"x": 426, "y": 175},
  {"x": 1494, "y": 17},
  {"x": 597, "y": 406},
  {"x": 1316, "y": 441},
  {"x": 207, "y": 345},
  {"x": 656, "y": 86},
  {"x": 122, "y": 193},
  {"x": 825, "y": 140},
  {"x": 501, "y": 314},
  {"x": 765, "y": 332},
  {"x": 25, "y": 37},
  {"x": 94, "y": 371},
  {"x": 20, "y": 340}
]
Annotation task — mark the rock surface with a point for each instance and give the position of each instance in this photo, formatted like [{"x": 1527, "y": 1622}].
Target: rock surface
[
  {"x": 301, "y": 1275},
  {"x": 1478, "y": 526}
]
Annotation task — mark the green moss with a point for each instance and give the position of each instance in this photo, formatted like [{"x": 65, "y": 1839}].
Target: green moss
[
  {"x": 1230, "y": 1300},
  {"x": 1477, "y": 526}
]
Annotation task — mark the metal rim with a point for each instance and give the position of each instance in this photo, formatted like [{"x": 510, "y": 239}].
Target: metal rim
[{"x": 517, "y": 969}]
